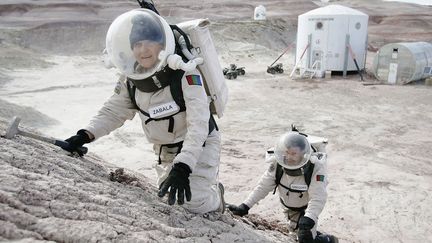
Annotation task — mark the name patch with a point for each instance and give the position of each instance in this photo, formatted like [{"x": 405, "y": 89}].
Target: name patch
[
  {"x": 164, "y": 110},
  {"x": 299, "y": 187}
]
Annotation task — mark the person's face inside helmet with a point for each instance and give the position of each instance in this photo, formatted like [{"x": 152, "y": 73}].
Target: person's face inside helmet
[
  {"x": 293, "y": 156},
  {"x": 146, "y": 53}
]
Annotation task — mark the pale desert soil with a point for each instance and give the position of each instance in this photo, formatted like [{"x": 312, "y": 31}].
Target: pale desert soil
[{"x": 379, "y": 156}]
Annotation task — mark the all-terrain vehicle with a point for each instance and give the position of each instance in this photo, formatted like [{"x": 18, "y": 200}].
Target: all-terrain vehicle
[
  {"x": 233, "y": 71},
  {"x": 275, "y": 69},
  {"x": 231, "y": 75}
]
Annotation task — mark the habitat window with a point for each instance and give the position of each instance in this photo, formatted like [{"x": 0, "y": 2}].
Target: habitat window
[
  {"x": 357, "y": 25},
  {"x": 319, "y": 25},
  {"x": 394, "y": 54}
]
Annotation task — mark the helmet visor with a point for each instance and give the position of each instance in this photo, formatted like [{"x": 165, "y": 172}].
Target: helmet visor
[
  {"x": 292, "y": 151},
  {"x": 135, "y": 41}
]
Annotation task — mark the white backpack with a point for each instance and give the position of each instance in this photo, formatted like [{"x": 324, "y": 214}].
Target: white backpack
[{"x": 199, "y": 37}]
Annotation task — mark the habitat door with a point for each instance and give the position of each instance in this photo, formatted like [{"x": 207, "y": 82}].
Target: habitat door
[{"x": 392, "y": 76}]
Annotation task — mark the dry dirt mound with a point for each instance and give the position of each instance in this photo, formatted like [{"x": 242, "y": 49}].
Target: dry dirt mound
[
  {"x": 48, "y": 195},
  {"x": 31, "y": 117}
]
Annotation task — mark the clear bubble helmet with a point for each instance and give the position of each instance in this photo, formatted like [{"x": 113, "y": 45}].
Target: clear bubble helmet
[
  {"x": 138, "y": 43},
  {"x": 292, "y": 151}
]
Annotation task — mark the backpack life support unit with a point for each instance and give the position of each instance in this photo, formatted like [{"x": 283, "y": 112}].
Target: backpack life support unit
[{"x": 198, "y": 33}]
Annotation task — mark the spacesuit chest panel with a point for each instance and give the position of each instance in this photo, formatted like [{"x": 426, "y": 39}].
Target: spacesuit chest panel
[
  {"x": 162, "y": 110},
  {"x": 159, "y": 104},
  {"x": 293, "y": 191},
  {"x": 169, "y": 124}
]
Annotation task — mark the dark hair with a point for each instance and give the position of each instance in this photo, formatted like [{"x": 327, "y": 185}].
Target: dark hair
[
  {"x": 298, "y": 141},
  {"x": 145, "y": 28}
]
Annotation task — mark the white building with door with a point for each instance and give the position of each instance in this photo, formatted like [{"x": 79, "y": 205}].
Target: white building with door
[{"x": 325, "y": 36}]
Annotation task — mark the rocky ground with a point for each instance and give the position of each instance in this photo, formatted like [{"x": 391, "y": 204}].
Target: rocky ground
[{"x": 51, "y": 75}]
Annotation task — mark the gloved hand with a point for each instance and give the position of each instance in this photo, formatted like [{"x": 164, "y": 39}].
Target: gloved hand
[
  {"x": 304, "y": 232},
  {"x": 77, "y": 141},
  {"x": 178, "y": 182},
  {"x": 240, "y": 210}
]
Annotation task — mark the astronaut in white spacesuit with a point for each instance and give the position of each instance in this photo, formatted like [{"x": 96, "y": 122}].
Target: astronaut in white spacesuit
[
  {"x": 300, "y": 176},
  {"x": 173, "y": 107}
]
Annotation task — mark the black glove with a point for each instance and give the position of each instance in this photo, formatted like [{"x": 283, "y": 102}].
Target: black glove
[
  {"x": 178, "y": 182},
  {"x": 305, "y": 233},
  {"x": 240, "y": 210},
  {"x": 77, "y": 141}
]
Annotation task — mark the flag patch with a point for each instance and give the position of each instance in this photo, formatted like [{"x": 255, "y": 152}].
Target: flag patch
[
  {"x": 320, "y": 177},
  {"x": 194, "y": 80}
]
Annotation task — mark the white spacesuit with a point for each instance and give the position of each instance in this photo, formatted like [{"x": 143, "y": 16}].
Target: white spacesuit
[
  {"x": 300, "y": 176},
  {"x": 185, "y": 138}
]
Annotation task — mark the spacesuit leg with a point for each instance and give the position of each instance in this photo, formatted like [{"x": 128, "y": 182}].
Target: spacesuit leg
[
  {"x": 293, "y": 217},
  {"x": 165, "y": 157},
  {"x": 206, "y": 196},
  {"x": 204, "y": 178}
]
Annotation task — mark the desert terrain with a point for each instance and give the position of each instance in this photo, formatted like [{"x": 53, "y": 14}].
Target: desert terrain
[{"x": 380, "y": 166}]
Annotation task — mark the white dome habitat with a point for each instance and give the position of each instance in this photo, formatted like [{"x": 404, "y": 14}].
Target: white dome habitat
[{"x": 323, "y": 35}]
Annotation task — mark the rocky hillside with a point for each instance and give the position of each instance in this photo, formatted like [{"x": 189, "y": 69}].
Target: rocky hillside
[{"x": 48, "y": 195}]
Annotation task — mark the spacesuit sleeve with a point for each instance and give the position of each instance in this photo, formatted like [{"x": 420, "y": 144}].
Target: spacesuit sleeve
[
  {"x": 116, "y": 110},
  {"x": 197, "y": 118},
  {"x": 317, "y": 191},
  {"x": 266, "y": 184}
]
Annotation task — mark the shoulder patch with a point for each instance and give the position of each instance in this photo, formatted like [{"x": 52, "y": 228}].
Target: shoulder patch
[
  {"x": 118, "y": 87},
  {"x": 320, "y": 177},
  {"x": 194, "y": 80},
  {"x": 272, "y": 167}
]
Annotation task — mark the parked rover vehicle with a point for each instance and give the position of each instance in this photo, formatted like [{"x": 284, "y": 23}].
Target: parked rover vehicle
[
  {"x": 233, "y": 71},
  {"x": 275, "y": 69}
]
